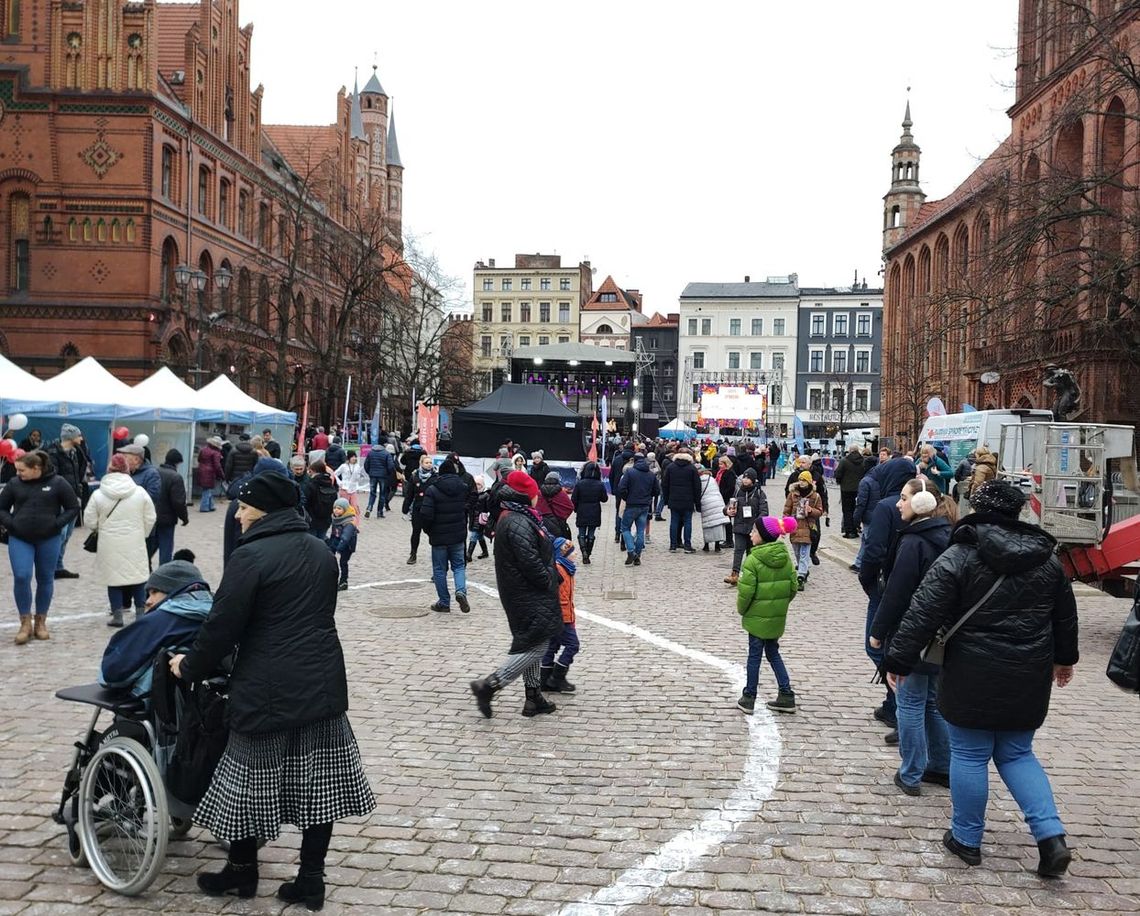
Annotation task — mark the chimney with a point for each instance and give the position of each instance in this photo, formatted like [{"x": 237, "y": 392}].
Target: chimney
[
  {"x": 794, "y": 279},
  {"x": 490, "y": 262},
  {"x": 747, "y": 278}
]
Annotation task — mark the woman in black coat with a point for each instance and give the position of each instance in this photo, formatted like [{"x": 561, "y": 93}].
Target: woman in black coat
[
  {"x": 291, "y": 756},
  {"x": 588, "y": 495},
  {"x": 528, "y": 589},
  {"x": 998, "y": 667}
]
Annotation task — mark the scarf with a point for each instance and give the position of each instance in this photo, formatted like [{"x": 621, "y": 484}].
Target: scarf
[
  {"x": 529, "y": 510},
  {"x": 424, "y": 475},
  {"x": 720, "y": 474},
  {"x": 564, "y": 561}
]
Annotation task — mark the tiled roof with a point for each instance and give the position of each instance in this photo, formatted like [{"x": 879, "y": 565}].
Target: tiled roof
[
  {"x": 303, "y": 146},
  {"x": 657, "y": 320},
  {"x": 625, "y": 300},
  {"x": 174, "y": 21},
  {"x": 741, "y": 291},
  {"x": 933, "y": 210},
  {"x": 373, "y": 84}
]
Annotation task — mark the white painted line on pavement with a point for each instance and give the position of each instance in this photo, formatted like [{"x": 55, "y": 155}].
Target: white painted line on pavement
[
  {"x": 53, "y": 619},
  {"x": 761, "y": 769}
]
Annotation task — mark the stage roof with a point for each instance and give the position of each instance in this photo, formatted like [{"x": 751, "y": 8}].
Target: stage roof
[{"x": 584, "y": 353}]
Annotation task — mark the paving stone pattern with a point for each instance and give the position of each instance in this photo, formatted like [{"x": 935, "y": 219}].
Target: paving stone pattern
[{"x": 531, "y": 816}]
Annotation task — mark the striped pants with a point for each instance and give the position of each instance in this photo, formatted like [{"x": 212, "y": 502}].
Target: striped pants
[{"x": 520, "y": 663}]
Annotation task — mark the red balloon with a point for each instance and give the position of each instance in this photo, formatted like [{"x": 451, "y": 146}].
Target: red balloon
[
  {"x": 7, "y": 447},
  {"x": 18, "y": 454},
  {"x": 122, "y": 433}
]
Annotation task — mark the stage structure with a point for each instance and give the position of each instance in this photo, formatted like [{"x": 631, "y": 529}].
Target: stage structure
[{"x": 730, "y": 402}]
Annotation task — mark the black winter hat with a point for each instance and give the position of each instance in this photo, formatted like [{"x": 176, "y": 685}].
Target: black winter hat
[
  {"x": 999, "y": 497},
  {"x": 174, "y": 575},
  {"x": 269, "y": 493}
]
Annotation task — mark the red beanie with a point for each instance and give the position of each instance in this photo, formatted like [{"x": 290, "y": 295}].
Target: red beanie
[{"x": 521, "y": 482}]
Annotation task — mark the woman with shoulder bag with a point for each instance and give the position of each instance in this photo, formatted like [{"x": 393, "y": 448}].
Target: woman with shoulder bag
[
  {"x": 924, "y": 743},
  {"x": 998, "y": 667},
  {"x": 749, "y": 506}
]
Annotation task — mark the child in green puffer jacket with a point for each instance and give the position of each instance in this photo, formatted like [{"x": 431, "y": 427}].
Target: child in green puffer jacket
[{"x": 767, "y": 585}]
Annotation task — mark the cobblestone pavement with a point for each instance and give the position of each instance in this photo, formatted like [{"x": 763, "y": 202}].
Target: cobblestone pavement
[{"x": 647, "y": 777}]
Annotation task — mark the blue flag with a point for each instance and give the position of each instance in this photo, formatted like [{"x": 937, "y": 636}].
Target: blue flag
[
  {"x": 969, "y": 408},
  {"x": 798, "y": 433},
  {"x": 605, "y": 419}
]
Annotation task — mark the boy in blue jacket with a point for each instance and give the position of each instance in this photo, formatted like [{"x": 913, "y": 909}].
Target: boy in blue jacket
[
  {"x": 177, "y": 604},
  {"x": 342, "y": 537}
]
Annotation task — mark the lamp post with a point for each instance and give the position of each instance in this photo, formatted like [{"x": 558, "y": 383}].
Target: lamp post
[{"x": 186, "y": 277}]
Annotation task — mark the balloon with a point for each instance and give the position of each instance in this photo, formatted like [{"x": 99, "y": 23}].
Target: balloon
[
  {"x": 122, "y": 432},
  {"x": 17, "y": 421},
  {"x": 142, "y": 439},
  {"x": 7, "y": 447},
  {"x": 18, "y": 454}
]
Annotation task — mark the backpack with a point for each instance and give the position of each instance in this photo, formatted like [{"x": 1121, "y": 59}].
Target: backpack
[
  {"x": 326, "y": 494},
  {"x": 196, "y": 714},
  {"x": 556, "y": 527}
]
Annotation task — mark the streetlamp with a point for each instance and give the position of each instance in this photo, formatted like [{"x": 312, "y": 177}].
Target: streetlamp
[{"x": 186, "y": 277}]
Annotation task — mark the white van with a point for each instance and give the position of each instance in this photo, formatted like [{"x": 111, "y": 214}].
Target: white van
[{"x": 961, "y": 433}]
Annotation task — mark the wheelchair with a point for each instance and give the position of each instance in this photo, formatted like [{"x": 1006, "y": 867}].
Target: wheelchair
[{"x": 116, "y": 808}]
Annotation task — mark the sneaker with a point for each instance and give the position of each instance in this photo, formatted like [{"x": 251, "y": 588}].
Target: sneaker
[
  {"x": 66, "y": 574},
  {"x": 343, "y": 587},
  {"x": 785, "y": 702},
  {"x": 412, "y": 560},
  {"x": 368, "y": 513},
  {"x": 936, "y": 778},
  {"x": 892, "y": 738},
  {"x": 886, "y": 716},
  {"x": 441, "y": 608},
  {"x": 971, "y": 855},
  {"x": 689, "y": 550},
  {"x": 912, "y": 791},
  {"x": 464, "y": 604},
  {"x": 731, "y": 579},
  {"x": 673, "y": 549},
  {"x": 802, "y": 581},
  {"x": 746, "y": 704}
]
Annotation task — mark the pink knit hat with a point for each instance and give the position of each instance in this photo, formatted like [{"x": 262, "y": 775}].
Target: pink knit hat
[{"x": 771, "y": 527}]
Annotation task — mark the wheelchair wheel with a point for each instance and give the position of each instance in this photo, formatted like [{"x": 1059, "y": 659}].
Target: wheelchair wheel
[
  {"x": 179, "y": 827},
  {"x": 123, "y": 816},
  {"x": 75, "y": 853}
]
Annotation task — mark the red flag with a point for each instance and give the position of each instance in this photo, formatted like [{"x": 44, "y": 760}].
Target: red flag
[
  {"x": 593, "y": 454},
  {"x": 304, "y": 426}
]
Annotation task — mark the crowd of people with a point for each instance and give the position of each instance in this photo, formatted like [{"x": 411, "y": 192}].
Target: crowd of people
[{"x": 951, "y": 602}]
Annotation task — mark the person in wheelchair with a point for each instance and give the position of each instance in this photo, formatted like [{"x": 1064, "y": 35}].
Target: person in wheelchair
[{"x": 177, "y": 603}]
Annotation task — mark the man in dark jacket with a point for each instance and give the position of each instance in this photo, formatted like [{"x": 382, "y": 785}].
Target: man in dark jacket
[
  {"x": 70, "y": 465},
  {"x": 1019, "y": 640},
  {"x": 682, "y": 489},
  {"x": 620, "y": 459},
  {"x": 773, "y": 458},
  {"x": 170, "y": 508},
  {"x": 443, "y": 515},
  {"x": 335, "y": 455},
  {"x": 528, "y": 589},
  {"x": 241, "y": 459},
  {"x": 380, "y": 465},
  {"x": 882, "y": 527},
  {"x": 271, "y": 445},
  {"x": 321, "y": 492},
  {"x": 848, "y": 472},
  {"x": 638, "y": 489}
]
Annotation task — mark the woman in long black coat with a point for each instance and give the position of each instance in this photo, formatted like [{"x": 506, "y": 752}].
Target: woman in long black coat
[
  {"x": 528, "y": 588},
  {"x": 1000, "y": 665},
  {"x": 291, "y": 756},
  {"x": 588, "y": 495}
]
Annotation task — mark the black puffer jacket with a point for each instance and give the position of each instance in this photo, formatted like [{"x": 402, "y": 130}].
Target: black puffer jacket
[
  {"x": 998, "y": 667},
  {"x": 753, "y": 498},
  {"x": 171, "y": 505},
  {"x": 524, "y": 568},
  {"x": 682, "y": 485},
  {"x": 71, "y": 465},
  {"x": 276, "y": 603},
  {"x": 849, "y": 471},
  {"x": 240, "y": 460},
  {"x": 443, "y": 512},
  {"x": 588, "y": 495},
  {"x": 35, "y": 510}
]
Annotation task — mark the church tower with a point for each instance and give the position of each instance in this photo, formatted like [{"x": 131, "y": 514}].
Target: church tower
[
  {"x": 901, "y": 204},
  {"x": 394, "y": 206},
  {"x": 374, "y": 117}
]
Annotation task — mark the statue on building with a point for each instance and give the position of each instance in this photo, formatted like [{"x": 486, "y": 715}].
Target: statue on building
[{"x": 1067, "y": 402}]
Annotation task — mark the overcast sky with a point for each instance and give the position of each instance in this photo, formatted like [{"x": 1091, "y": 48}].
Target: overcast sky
[{"x": 666, "y": 142}]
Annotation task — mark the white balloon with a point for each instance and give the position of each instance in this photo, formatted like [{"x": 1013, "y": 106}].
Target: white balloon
[
  {"x": 142, "y": 439},
  {"x": 17, "y": 422}
]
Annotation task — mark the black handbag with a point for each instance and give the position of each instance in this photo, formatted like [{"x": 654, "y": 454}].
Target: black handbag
[
  {"x": 935, "y": 651},
  {"x": 91, "y": 542},
  {"x": 1124, "y": 663}
]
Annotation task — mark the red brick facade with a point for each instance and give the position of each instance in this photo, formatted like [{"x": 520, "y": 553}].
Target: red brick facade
[
  {"x": 950, "y": 280},
  {"x": 131, "y": 142}
]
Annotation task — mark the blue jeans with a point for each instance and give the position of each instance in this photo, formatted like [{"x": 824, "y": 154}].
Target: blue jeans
[
  {"x": 764, "y": 648},
  {"x": 567, "y": 641},
  {"x": 680, "y": 522},
  {"x": 25, "y": 558},
  {"x": 876, "y": 655},
  {"x": 121, "y": 596},
  {"x": 441, "y": 556},
  {"x": 206, "y": 502},
  {"x": 971, "y": 750},
  {"x": 377, "y": 485},
  {"x": 634, "y": 516},
  {"x": 803, "y": 558},
  {"x": 165, "y": 535},
  {"x": 64, "y": 537},
  {"x": 660, "y": 504},
  {"x": 924, "y": 743},
  {"x": 862, "y": 546}
]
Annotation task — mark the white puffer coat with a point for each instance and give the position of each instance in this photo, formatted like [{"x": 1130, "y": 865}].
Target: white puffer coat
[
  {"x": 122, "y": 557},
  {"x": 352, "y": 478},
  {"x": 713, "y": 518}
]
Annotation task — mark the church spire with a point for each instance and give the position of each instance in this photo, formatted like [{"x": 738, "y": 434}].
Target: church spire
[
  {"x": 905, "y": 198},
  {"x": 393, "y": 146},
  {"x": 356, "y": 122}
]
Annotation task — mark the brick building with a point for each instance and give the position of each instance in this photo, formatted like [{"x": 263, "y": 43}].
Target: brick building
[
  {"x": 132, "y": 143},
  {"x": 1033, "y": 259}
]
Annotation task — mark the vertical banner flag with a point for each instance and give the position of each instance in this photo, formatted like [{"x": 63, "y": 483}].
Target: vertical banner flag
[
  {"x": 359, "y": 422},
  {"x": 304, "y": 426},
  {"x": 605, "y": 419},
  {"x": 427, "y": 419},
  {"x": 935, "y": 408},
  {"x": 415, "y": 414},
  {"x": 376, "y": 421},
  {"x": 798, "y": 433},
  {"x": 593, "y": 455},
  {"x": 347, "y": 397}
]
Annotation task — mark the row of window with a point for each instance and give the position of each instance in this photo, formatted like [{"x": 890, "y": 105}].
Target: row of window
[
  {"x": 505, "y": 343},
  {"x": 860, "y": 400},
  {"x": 734, "y": 327},
  {"x": 840, "y": 323},
  {"x": 840, "y": 362},
  {"x": 506, "y": 312},
  {"x": 755, "y": 360},
  {"x": 524, "y": 284}
]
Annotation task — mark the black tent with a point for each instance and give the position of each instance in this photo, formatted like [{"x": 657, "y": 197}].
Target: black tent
[{"x": 527, "y": 414}]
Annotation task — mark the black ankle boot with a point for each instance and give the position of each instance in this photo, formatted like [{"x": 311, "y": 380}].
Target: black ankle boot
[
  {"x": 536, "y": 704},
  {"x": 306, "y": 889},
  {"x": 1055, "y": 857},
  {"x": 236, "y": 879},
  {"x": 544, "y": 674},
  {"x": 470, "y": 555},
  {"x": 484, "y": 690},
  {"x": 557, "y": 682}
]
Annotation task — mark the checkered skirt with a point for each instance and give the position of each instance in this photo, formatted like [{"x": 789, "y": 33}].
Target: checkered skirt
[{"x": 302, "y": 776}]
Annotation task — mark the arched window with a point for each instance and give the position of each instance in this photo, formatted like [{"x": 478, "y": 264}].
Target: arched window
[
  {"x": 166, "y": 290},
  {"x": 604, "y": 329},
  {"x": 284, "y": 300},
  {"x": 168, "y": 185},
  {"x": 228, "y": 292},
  {"x": 101, "y": 230},
  {"x": 130, "y": 231},
  {"x": 961, "y": 253},
  {"x": 69, "y": 355},
  {"x": 896, "y": 217},
  {"x": 263, "y": 304},
  {"x": 19, "y": 235},
  {"x": 299, "y": 315},
  {"x": 924, "y": 271},
  {"x": 203, "y": 190},
  {"x": 941, "y": 263},
  {"x": 88, "y": 230},
  {"x": 116, "y": 231},
  {"x": 908, "y": 280},
  {"x": 1067, "y": 168},
  {"x": 245, "y": 303},
  {"x": 12, "y": 19},
  {"x": 73, "y": 230}
]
